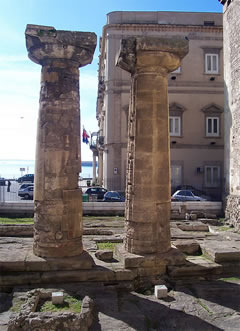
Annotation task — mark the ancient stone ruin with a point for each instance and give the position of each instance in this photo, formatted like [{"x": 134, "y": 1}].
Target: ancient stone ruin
[
  {"x": 231, "y": 12},
  {"x": 30, "y": 317},
  {"x": 58, "y": 209},
  {"x": 148, "y": 199}
]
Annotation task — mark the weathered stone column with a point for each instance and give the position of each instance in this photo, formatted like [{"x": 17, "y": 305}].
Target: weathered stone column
[
  {"x": 149, "y": 60},
  {"x": 58, "y": 200}
]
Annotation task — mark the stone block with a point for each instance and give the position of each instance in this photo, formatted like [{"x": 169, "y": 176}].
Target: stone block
[
  {"x": 194, "y": 267},
  {"x": 190, "y": 247},
  {"x": 171, "y": 257},
  {"x": 147, "y": 272},
  {"x": 81, "y": 262},
  {"x": 104, "y": 255},
  {"x": 193, "y": 226},
  {"x": 160, "y": 291},
  {"x": 224, "y": 251},
  {"x": 124, "y": 275},
  {"x": 57, "y": 298}
]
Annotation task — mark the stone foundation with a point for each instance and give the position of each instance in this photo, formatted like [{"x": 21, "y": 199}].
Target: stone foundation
[{"x": 29, "y": 319}]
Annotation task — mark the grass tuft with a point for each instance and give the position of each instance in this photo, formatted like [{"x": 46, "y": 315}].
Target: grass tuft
[
  {"x": 70, "y": 303},
  {"x": 106, "y": 245},
  {"x": 8, "y": 220}
]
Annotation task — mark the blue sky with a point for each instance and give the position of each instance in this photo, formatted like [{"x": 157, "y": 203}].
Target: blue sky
[{"x": 20, "y": 78}]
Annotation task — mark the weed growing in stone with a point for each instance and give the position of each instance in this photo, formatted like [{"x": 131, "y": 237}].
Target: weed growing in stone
[
  {"x": 69, "y": 304},
  {"x": 223, "y": 228},
  {"x": 7, "y": 220},
  {"x": 17, "y": 304},
  {"x": 204, "y": 306},
  {"x": 106, "y": 245},
  {"x": 229, "y": 279}
]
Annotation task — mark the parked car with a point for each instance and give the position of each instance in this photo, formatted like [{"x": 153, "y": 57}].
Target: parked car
[
  {"x": 24, "y": 185},
  {"x": 2, "y": 181},
  {"x": 186, "y": 195},
  {"x": 96, "y": 190},
  {"x": 26, "y": 193},
  {"x": 113, "y": 196},
  {"x": 26, "y": 178},
  {"x": 195, "y": 191}
]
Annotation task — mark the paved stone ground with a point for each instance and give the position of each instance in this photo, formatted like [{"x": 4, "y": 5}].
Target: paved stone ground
[
  {"x": 205, "y": 305},
  {"x": 201, "y": 306}
]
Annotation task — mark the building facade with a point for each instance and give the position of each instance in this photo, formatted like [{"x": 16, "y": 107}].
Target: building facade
[{"x": 196, "y": 98}]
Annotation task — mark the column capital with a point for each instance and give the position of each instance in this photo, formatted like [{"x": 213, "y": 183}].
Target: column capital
[
  {"x": 151, "y": 52},
  {"x": 45, "y": 43}
]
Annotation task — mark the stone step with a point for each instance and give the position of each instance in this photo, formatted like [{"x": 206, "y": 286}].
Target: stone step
[
  {"x": 97, "y": 274},
  {"x": 193, "y": 226},
  {"x": 222, "y": 251},
  {"x": 26, "y": 261},
  {"x": 196, "y": 266}
]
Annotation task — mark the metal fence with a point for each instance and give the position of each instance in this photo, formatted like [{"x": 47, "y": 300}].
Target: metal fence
[{"x": 10, "y": 194}]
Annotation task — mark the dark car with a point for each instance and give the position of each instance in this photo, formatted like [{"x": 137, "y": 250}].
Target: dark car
[
  {"x": 26, "y": 178},
  {"x": 113, "y": 196},
  {"x": 26, "y": 193},
  {"x": 186, "y": 195},
  {"x": 96, "y": 190}
]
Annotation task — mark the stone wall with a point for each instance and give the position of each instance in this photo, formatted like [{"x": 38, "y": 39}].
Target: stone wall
[
  {"x": 232, "y": 108},
  {"x": 232, "y": 211},
  {"x": 29, "y": 319}
]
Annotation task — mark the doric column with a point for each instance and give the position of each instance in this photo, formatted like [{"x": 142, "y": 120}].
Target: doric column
[
  {"x": 57, "y": 198},
  {"x": 149, "y": 60}
]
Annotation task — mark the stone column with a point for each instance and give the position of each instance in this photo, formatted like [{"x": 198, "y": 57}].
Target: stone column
[
  {"x": 149, "y": 60},
  {"x": 100, "y": 167},
  {"x": 94, "y": 167},
  {"x": 57, "y": 198}
]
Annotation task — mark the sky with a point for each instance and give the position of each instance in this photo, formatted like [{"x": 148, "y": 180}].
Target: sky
[{"x": 20, "y": 77}]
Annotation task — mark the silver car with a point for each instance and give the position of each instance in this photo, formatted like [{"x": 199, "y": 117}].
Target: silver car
[
  {"x": 186, "y": 195},
  {"x": 26, "y": 192}
]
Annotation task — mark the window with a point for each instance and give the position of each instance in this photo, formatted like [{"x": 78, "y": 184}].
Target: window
[
  {"x": 175, "y": 125},
  {"x": 212, "y": 176},
  {"x": 211, "y": 63},
  {"x": 176, "y": 175},
  {"x": 212, "y": 118},
  {"x": 212, "y": 126},
  {"x": 209, "y": 23}
]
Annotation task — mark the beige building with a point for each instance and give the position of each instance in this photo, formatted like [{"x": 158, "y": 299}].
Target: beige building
[{"x": 196, "y": 98}]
